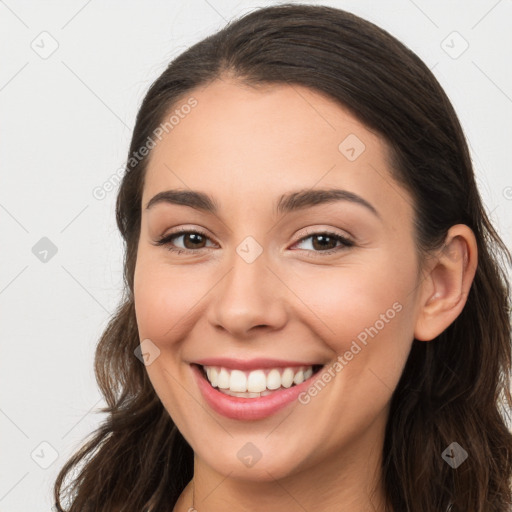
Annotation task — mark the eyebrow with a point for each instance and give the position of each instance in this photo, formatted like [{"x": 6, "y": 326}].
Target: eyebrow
[{"x": 289, "y": 202}]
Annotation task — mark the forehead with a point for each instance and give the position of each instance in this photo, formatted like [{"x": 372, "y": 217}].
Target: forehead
[{"x": 243, "y": 144}]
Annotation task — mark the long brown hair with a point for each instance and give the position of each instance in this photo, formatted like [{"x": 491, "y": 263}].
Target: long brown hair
[{"x": 454, "y": 388}]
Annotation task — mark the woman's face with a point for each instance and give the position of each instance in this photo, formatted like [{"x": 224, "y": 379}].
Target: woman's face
[{"x": 263, "y": 287}]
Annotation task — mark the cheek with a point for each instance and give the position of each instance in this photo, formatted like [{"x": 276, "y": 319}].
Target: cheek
[
  {"x": 365, "y": 314},
  {"x": 366, "y": 319},
  {"x": 345, "y": 301},
  {"x": 164, "y": 300},
  {"x": 164, "y": 307}
]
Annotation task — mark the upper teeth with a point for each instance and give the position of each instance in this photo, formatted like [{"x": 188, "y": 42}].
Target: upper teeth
[{"x": 256, "y": 380}]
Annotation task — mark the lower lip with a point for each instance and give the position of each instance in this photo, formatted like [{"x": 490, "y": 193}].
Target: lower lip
[{"x": 239, "y": 408}]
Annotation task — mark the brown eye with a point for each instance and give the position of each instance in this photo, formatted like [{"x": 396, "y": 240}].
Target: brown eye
[
  {"x": 196, "y": 240},
  {"x": 326, "y": 242},
  {"x": 192, "y": 240}
]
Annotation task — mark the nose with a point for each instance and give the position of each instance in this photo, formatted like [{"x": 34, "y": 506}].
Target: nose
[{"x": 250, "y": 297}]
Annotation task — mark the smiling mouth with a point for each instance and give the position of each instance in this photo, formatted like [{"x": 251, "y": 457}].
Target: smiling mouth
[{"x": 256, "y": 383}]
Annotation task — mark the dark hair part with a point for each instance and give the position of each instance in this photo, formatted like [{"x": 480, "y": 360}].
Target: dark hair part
[{"x": 454, "y": 388}]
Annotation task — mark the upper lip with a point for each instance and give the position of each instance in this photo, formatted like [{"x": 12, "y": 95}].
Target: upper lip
[{"x": 252, "y": 364}]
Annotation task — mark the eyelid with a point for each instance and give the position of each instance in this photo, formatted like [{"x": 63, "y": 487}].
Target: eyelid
[{"x": 319, "y": 231}]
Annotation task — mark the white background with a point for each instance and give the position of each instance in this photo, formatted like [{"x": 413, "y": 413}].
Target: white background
[{"x": 66, "y": 126}]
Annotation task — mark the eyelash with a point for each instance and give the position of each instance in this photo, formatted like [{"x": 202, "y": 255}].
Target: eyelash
[{"x": 166, "y": 241}]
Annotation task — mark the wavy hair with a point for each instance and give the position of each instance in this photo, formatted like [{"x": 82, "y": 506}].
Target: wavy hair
[{"x": 453, "y": 388}]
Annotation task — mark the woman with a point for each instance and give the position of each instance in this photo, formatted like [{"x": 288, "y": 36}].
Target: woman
[{"x": 316, "y": 315}]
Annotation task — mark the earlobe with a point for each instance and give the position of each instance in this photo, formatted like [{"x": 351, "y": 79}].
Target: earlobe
[{"x": 445, "y": 288}]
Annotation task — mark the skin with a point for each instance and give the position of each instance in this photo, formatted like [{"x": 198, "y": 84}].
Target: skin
[{"x": 245, "y": 147}]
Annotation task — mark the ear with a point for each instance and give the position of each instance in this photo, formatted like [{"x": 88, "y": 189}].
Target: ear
[{"x": 446, "y": 285}]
